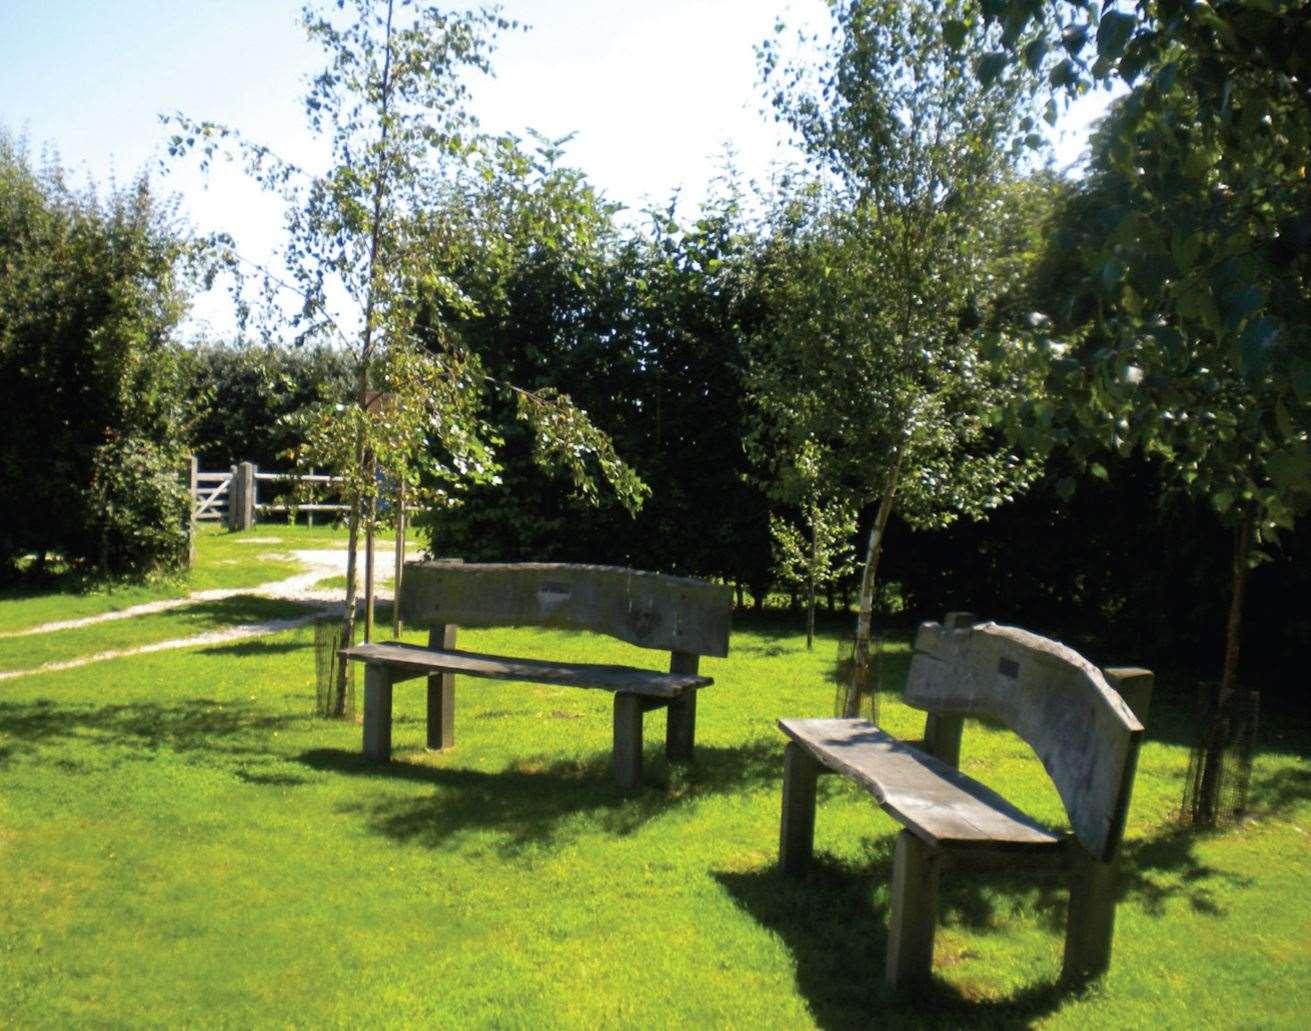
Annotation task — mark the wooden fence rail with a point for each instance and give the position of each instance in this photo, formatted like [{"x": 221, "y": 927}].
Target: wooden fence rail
[{"x": 233, "y": 496}]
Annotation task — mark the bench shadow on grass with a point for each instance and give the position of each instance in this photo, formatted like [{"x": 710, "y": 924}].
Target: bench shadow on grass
[
  {"x": 834, "y": 921},
  {"x": 535, "y": 802}
]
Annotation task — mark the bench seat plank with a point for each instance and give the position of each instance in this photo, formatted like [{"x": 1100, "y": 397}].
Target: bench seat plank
[
  {"x": 419, "y": 660},
  {"x": 940, "y": 805}
]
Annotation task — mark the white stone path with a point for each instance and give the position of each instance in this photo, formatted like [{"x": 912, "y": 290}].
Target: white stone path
[{"x": 322, "y": 563}]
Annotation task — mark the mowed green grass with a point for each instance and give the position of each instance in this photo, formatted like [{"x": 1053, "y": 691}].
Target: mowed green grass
[
  {"x": 183, "y": 844},
  {"x": 223, "y": 561},
  {"x": 200, "y": 617}
]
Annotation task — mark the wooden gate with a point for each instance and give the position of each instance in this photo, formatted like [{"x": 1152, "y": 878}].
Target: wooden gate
[{"x": 210, "y": 496}]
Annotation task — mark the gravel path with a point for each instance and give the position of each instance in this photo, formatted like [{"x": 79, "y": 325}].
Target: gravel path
[{"x": 322, "y": 563}]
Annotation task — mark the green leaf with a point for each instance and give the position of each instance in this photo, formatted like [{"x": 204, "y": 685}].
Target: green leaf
[
  {"x": 1073, "y": 38},
  {"x": 1242, "y": 304},
  {"x": 1064, "y": 75},
  {"x": 953, "y": 31},
  {"x": 1301, "y": 378},
  {"x": 991, "y": 66},
  {"x": 1283, "y": 419},
  {"x": 1290, "y": 469},
  {"x": 1257, "y": 343},
  {"x": 1034, "y": 53},
  {"x": 1113, "y": 34}
]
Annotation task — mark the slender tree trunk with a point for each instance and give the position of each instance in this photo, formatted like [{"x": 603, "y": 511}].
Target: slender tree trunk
[
  {"x": 810, "y": 585},
  {"x": 1207, "y": 804},
  {"x": 859, "y": 680},
  {"x": 399, "y": 568},
  {"x": 368, "y": 550},
  {"x": 362, "y": 458},
  {"x": 348, "y": 612}
]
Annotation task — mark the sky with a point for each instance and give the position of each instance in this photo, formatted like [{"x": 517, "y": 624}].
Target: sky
[{"x": 653, "y": 91}]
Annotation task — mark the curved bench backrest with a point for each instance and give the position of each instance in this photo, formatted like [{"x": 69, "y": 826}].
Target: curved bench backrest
[
  {"x": 1052, "y": 697},
  {"x": 650, "y": 610}
]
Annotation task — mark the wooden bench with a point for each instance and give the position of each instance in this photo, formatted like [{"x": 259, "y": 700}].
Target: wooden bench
[
  {"x": 1078, "y": 719},
  {"x": 688, "y": 618}
]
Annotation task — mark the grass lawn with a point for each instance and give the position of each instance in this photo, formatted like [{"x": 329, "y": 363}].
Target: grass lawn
[
  {"x": 223, "y": 560},
  {"x": 183, "y": 844}
]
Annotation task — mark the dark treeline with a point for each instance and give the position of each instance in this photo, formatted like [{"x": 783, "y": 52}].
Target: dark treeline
[{"x": 245, "y": 399}]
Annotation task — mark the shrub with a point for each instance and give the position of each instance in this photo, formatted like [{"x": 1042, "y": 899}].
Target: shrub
[{"x": 91, "y": 291}]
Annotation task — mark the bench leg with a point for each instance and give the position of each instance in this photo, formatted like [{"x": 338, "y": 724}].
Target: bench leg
[
  {"x": 441, "y": 711},
  {"x": 628, "y": 739},
  {"x": 915, "y": 869},
  {"x": 377, "y": 712},
  {"x": 680, "y": 728},
  {"x": 942, "y": 736},
  {"x": 796, "y": 839},
  {"x": 680, "y": 720},
  {"x": 441, "y": 693},
  {"x": 1090, "y": 925}
]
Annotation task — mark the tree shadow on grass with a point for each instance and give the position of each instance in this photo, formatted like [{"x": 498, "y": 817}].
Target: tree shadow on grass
[
  {"x": 258, "y": 647},
  {"x": 535, "y": 802},
  {"x": 1279, "y": 793},
  {"x": 225, "y": 729}
]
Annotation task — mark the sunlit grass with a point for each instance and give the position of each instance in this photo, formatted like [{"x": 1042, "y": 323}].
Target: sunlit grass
[
  {"x": 223, "y": 560},
  {"x": 185, "y": 844}
]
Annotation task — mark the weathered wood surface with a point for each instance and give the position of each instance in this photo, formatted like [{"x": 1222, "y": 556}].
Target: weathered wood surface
[
  {"x": 942, "y": 806},
  {"x": 680, "y": 720},
  {"x": 1052, "y": 697},
  {"x": 377, "y": 712},
  {"x": 441, "y": 693},
  {"x": 626, "y": 757},
  {"x": 914, "y": 916},
  {"x": 418, "y": 661},
  {"x": 796, "y": 835},
  {"x": 1090, "y": 920},
  {"x": 1135, "y": 686},
  {"x": 650, "y": 610}
]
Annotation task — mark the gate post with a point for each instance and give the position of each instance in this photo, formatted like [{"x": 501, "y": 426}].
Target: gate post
[
  {"x": 234, "y": 501},
  {"x": 193, "y": 493},
  {"x": 241, "y": 497},
  {"x": 248, "y": 489}
]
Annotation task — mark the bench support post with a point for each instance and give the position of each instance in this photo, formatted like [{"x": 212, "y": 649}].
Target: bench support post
[
  {"x": 1090, "y": 924},
  {"x": 796, "y": 838},
  {"x": 915, "y": 869},
  {"x": 628, "y": 739},
  {"x": 377, "y": 712},
  {"x": 942, "y": 734},
  {"x": 441, "y": 693},
  {"x": 680, "y": 718}
]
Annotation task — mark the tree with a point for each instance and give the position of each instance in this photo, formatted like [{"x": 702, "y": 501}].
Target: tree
[
  {"x": 391, "y": 106},
  {"x": 649, "y": 325},
  {"x": 1195, "y": 306},
  {"x": 819, "y": 553},
  {"x": 248, "y": 395},
  {"x": 92, "y": 287},
  {"x": 1177, "y": 354},
  {"x": 875, "y": 357}
]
